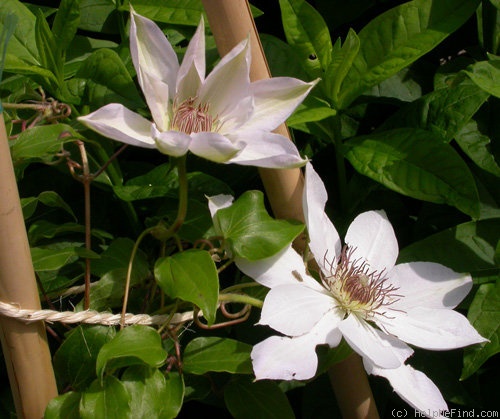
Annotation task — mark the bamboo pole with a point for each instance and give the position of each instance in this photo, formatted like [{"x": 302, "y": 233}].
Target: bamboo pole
[
  {"x": 24, "y": 346},
  {"x": 231, "y": 21}
]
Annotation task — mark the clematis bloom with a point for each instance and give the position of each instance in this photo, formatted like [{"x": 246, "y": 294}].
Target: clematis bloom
[
  {"x": 223, "y": 117},
  {"x": 378, "y": 307}
]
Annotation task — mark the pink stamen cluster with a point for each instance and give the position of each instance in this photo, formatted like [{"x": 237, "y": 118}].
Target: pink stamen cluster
[
  {"x": 357, "y": 288},
  {"x": 191, "y": 117}
]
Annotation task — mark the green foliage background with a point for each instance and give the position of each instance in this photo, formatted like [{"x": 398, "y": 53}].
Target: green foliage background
[{"x": 405, "y": 118}]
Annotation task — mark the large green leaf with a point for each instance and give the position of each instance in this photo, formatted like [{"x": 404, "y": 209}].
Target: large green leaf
[
  {"x": 50, "y": 55},
  {"x": 484, "y": 315},
  {"x": 444, "y": 111},
  {"x": 22, "y": 45},
  {"x": 398, "y": 37},
  {"x": 64, "y": 406},
  {"x": 262, "y": 399},
  {"x": 477, "y": 145},
  {"x": 486, "y": 74},
  {"x": 151, "y": 394},
  {"x": 343, "y": 56},
  {"x": 416, "y": 163},
  {"x": 468, "y": 247},
  {"x": 41, "y": 142},
  {"x": 107, "y": 399},
  {"x": 186, "y": 12},
  {"x": 49, "y": 198},
  {"x": 103, "y": 78},
  {"x": 66, "y": 23},
  {"x": 131, "y": 346},
  {"x": 207, "y": 354},
  {"x": 75, "y": 360},
  {"x": 50, "y": 259},
  {"x": 191, "y": 276},
  {"x": 307, "y": 33},
  {"x": 249, "y": 230}
]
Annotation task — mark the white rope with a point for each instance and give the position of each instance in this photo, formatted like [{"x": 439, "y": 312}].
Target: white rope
[{"x": 89, "y": 316}]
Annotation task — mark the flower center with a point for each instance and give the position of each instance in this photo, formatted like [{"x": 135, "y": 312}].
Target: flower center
[
  {"x": 190, "y": 116},
  {"x": 356, "y": 287}
]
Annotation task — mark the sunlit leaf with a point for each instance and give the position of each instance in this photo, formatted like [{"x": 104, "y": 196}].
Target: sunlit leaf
[
  {"x": 416, "y": 163},
  {"x": 151, "y": 394},
  {"x": 64, "y": 406},
  {"x": 131, "y": 346},
  {"x": 249, "y": 230},
  {"x": 108, "y": 399},
  {"x": 206, "y": 354},
  {"x": 190, "y": 276},
  {"x": 398, "y": 37},
  {"x": 484, "y": 315},
  {"x": 75, "y": 360}
]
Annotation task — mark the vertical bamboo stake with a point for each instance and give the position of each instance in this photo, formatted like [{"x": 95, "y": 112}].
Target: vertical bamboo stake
[
  {"x": 24, "y": 346},
  {"x": 231, "y": 21}
]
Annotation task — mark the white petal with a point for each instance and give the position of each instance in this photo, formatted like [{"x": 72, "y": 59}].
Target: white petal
[
  {"x": 285, "y": 267},
  {"x": 431, "y": 285},
  {"x": 294, "y": 309},
  {"x": 324, "y": 240},
  {"x": 192, "y": 70},
  {"x": 414, "y": 387},
  {"x": 229, "y": 84},
  {"x": 213, "y": 146},
  {"x": 217, "y": 202},
  {"x": 172, "y": 143},
  {"x": 266, "y": 149},
  {"x": 372, "y": 236},
  {"x": 275, "y": 99},
  {"x": 120, "y": 124},
  {"x": 282, "y": 358},
  {"x": 156, "y": 64},
  {"x": 381, "y": 349},
  {"x": 432, "y": 328}
]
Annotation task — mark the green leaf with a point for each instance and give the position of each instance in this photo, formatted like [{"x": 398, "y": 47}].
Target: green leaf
[
  {"x": 468, "y": 247},
  {"x": 52, "y": 259},
  {"x": 75, "y": 360},
  {"x": 103, "y": 78},
  {"x": 340, "y": 64},
  {"x": 484, "y": 315},
  {"x": 66, "y": 23},
  {"x": 108, "y": 400},
  {"x": 486, "y": 74},
  {"x": 22, "y": 45},
  {"x": 307, "y": 33},
  {"x": 41, "y": 142},
  {"x": 54, "y": 200},
  {"x": 98, "y": 16},
  {"x": 191, "y": 276},
  {"x": 117, "y": 255},
  {"x": 249, "y": 230},
  {"x": 50, "y": 56},
  {"x": 281, "y": 58},
  {"x": 131, "y": 346},
  {"x": 261, "y": 399},
  {"x": 207, "y": 354},
  {"x": 477, "y": 146},
  {"x": 444, "y": 111},
  {"x": 151, "y": 394},
  {"x": 398, "y": 37},
  {"x": 186, "y": 12},
  {"x": 311, "y": 110},
  {"x": 64, "y": 406},
  {"x": 416, "y": 163}
]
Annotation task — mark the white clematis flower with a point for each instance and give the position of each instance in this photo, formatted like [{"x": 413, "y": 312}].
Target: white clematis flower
[
  {"x": 376, "y": 306},
  {"x": 223, "y": 117}
]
